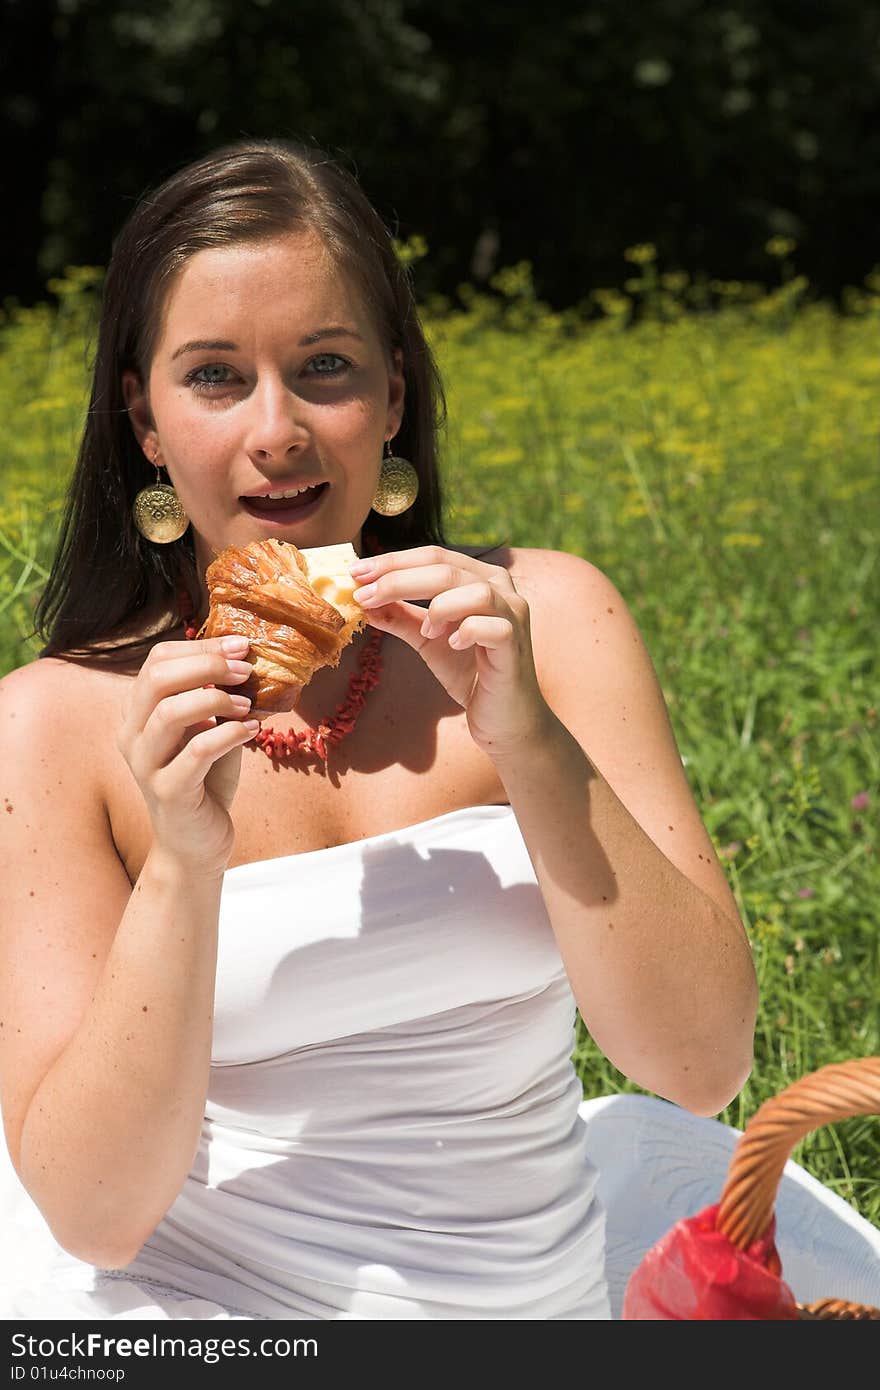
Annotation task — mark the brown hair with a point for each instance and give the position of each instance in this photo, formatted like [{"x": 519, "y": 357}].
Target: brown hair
[{"x": 105, "y": 575}]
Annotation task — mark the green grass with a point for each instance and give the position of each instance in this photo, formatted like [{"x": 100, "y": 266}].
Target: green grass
[{"x": 721, "y": 466}]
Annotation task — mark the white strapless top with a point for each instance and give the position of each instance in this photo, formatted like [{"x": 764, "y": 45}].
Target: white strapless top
[{"x": 392, "y": 1125}]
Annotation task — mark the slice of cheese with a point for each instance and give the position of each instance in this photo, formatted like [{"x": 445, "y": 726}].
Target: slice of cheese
[{"x": 327, "y": 571}]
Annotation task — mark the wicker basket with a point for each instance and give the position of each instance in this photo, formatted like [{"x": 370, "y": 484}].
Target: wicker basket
[{"x": 835, "y": 1092}]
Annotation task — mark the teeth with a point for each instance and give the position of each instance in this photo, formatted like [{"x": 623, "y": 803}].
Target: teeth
[{"x": 294, "y": 492}]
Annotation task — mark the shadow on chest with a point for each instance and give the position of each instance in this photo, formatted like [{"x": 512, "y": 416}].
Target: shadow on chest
[{"x": 410, "y": 757}]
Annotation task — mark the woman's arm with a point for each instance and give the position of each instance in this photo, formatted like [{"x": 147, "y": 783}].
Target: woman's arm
[
  {"x": 646, "y": 923},
  {"x": 106, "y": 993},
  {"x": 561, "y": 694}
]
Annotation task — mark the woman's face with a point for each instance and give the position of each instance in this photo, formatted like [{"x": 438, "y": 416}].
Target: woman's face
[{"x": 268, "y": 377}]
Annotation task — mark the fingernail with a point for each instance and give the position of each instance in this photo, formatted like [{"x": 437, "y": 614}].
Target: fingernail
[
  {"x": 365, "y": 594},
  {"x": 240, "y": 668},
  {"x": 426, "y": 629},
  {"x": 234, "y": 644},
  {"x": 358, "y": 568},
  {"x": 240, "y": 702}
]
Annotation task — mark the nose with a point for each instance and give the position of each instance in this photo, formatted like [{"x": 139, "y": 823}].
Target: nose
[{"x": 276, "y": 427}]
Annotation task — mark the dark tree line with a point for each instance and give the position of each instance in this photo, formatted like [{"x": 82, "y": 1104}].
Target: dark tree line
[{"x": 555, "y": 132}]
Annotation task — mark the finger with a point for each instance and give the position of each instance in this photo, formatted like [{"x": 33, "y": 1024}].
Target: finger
[
  {"x": 427, "y": 583},
  {"x": 234, "y": 645},
  {"x": 493, "y": 634},
  {"x": 407, "y": 621},
  {"x": 422, "y": 583},
  {"x": 455, "y": 667},
  {"x": 403, "y": 620},
  {"x": 185, "y": 774},
  {"x": 159, "y": 679},
  {"x": 372, "y": 567},
  {"x": 179, "y": 717},
  {"x": 453, "y": 605}
]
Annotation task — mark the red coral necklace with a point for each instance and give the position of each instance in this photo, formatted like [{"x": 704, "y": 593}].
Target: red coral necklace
[{"x": 312, "y": 743}]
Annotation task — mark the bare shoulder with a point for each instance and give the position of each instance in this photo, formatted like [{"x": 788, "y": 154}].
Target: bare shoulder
[
  {"x": 572, "y": 605},
  {"x": 40, "y": 675},
  {"x": 32, "y": 693},
  {"x": 57, "y": 721},
  {"x": 51, "y": 688},
  {"x": 545, "y": 572}
]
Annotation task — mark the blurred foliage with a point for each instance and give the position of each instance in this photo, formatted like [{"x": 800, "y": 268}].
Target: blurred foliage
[{"x": 555, "y": 133}]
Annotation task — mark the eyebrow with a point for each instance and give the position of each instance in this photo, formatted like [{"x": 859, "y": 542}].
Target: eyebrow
[
  {"x": 204, "y": 345},
  {"x": 336, "y": 331},
  {"x": 222, "y": 345}
]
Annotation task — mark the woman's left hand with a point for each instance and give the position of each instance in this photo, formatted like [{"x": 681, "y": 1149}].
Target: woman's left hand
[{"x": 474, "y": 636}]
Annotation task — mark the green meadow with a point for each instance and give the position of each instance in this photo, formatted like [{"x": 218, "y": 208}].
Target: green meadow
[{"x": 713, "y": 447}]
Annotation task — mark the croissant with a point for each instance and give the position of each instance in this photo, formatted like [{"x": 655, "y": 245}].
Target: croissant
[{"x": 294, "y": 606}]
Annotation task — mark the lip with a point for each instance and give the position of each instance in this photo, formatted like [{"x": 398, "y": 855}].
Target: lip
[{"x": 283, "y": 516}]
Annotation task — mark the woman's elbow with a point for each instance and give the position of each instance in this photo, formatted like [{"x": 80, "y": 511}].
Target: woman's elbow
[
  {"x": 102, "y": 1249},
  {"x": 708, "y": 1087}
]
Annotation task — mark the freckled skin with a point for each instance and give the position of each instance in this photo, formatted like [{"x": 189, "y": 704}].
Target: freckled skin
[{"x": 272, "y": 413}]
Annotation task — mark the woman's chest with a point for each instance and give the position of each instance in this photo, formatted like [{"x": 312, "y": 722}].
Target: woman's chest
[
  {"x": 301, "y": 804},
  {"x": 409, "y": 758}
]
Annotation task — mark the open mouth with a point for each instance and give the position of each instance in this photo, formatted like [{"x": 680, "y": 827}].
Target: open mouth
[{"x": 282, "y": 509}]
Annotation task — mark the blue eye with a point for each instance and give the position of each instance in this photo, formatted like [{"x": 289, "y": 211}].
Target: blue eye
[
  {"x": 205, "y": 378},
  {"x": 323, "y": 364}
]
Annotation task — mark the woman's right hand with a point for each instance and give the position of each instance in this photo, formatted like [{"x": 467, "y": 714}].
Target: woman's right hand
[{"x": 182, "y": 737}]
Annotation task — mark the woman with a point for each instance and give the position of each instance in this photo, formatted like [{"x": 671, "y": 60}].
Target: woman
[{"x": 287, "y": 1037}]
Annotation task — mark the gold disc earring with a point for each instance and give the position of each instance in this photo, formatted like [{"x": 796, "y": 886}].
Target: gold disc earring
[
  {"x": 157, "y": 512},
  {"x": 398, "y": 485}
]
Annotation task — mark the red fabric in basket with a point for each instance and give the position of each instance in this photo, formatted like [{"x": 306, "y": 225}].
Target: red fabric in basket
[{"x": 695, "y": 1274}]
